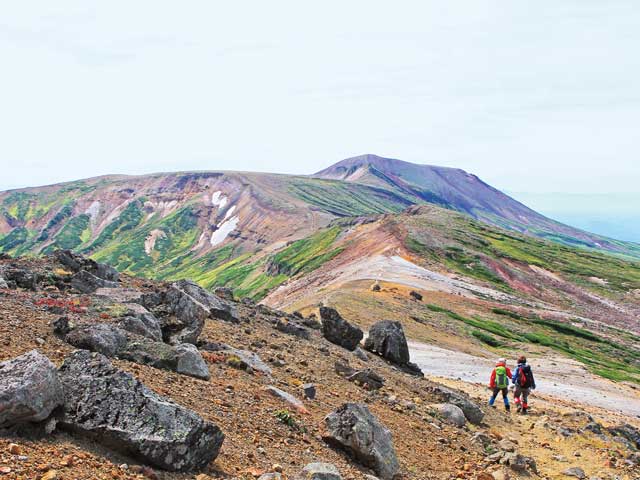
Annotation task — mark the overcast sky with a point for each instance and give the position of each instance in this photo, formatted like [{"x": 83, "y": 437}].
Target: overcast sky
[{"x": 531, "y": 96}]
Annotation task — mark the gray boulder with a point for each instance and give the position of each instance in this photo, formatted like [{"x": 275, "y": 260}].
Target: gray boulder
[
  {"x": 337, "y": 330},
  {"x": 629, "y": 432},
  {"x": 75, "y": 263},
  {"x": 292, "y": 328},
  {"x": 29, "y": 389},
  {"x": 103, "y": 338},
  {"x": 368, "y": 378},
  {"x": 20, "y": 277},
  {"x": 144, "y": 351},
  {"x": 192, "y": 305},
  {"x": 319, "y": 471},
  {"x": 190, "y": 362},
  {"x": 248, "y": 360},
  {"x": 386, "y": 338},
  {"x": 576, "y": 472},
  {"x": 87, "y": 282},
  {"x": 353, "y": 428},
  {"x": 452, "y": 414},
  {"x": 144, "y": 324},
  {"x": 117, "y": 410},
  {"x": 473, "y": 413},
  {"x": 3, "y": 283}
]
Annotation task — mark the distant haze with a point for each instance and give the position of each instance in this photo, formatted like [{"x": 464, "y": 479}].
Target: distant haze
[
  {"x": 613, "y": 215},
  {"x": 530, "y": 96}
]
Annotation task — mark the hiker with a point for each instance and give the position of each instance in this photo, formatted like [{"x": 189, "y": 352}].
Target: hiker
[
  {"x": 524, "y": 383},
  {"x": 499, "y": 383}
]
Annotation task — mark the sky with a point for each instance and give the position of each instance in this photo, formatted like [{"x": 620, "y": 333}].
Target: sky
[{"x": 534, "y": 97}]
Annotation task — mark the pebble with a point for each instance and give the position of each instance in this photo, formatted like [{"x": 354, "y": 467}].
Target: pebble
[{"x": 14, "y": 449}]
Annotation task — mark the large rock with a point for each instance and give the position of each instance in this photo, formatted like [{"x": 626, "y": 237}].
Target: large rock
[
  {"x": 368, "y": 378},
  {"x": 192, "y": 305},
  {"x": 386, "y": 338},
  {"x": 103, "y": 338},
  {"x": 87, "y": 282},
  {"x": 452, "y": 414},
  {"x": 353, "y": 428},
  {"x": 249, "y": 361},
  {"x": 319, "y": 471},
  {"x": 337, "y": 330},
  {"x": 117, "y": 410},
  {"x": 292, "y": 328},
  {"x": 20, "y": 277},
  {"x": 473, "y": 413},
  {"x": 144, "y": 324},
  {"x": 75, "y": 263},
  {"x": 29, "y": 389},
  {"x": 629, "y": 432},
  {"x": 190, "y": 362}
]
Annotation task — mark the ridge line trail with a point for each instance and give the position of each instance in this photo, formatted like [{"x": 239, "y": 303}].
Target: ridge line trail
[{"x": 557, "y": 377}]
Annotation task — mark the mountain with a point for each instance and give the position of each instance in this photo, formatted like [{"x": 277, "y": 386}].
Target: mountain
[{"x": 461, "y": 191}]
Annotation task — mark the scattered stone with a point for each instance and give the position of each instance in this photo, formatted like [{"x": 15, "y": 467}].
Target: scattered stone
[
  {"x": 319, "y": 471},
  {"x": 190, "y": 362},
  {"x": 593, "y": 427},
  {"x": 415, "y": 295},
  {"x": 311, "y": 322},
  {"x": 14, "y": 449},
  {"x": 17, "y": 277},
  {"x": 337, "y": 330},
  {"x": 292, "y": 328},
  {"x": 309, "y": 390},
  {"x": 225, "y": 293},
  {"x": 271, "y": 476},
  {"x": 361, "y": 354},
  {"x": 287, "y": 397},
  {"x": 576, "y": 472},
  {"x": 103, "y": 338},
  {"x": 144, "y": 324},
  {"x": 343, "y": 369},
  {"x": 192, "y": 305},
  {"x": 507, "y": 445},
  {"x": 116, "y": 409},
  {"x": 629, "y": 432},
  {"x": 473, "y": 413},
  {"x": 481, "y": 439},
  {"x": 375, "y": 287},
  {"x": 75, "y": 263},
  {"x": 452, "y": 414},
  {"x": 367, "y": 378},
  {"x": 86, "y": 282},
  {"x": 386, "y": 338},
  {"x": 62, "y": 326},
  {"x": 249, "y": 361},
  {"x": 352, "y": 427},
  {"x": 29, "y": 389},
  {"x": 50, "y": 475}
]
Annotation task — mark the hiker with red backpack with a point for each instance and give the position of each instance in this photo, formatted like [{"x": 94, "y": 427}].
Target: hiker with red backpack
[
  {"x": 499, "y": 383},
  {"x": 524, "y": 383}
]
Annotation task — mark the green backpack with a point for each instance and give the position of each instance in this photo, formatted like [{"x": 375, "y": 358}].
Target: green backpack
[{"x": 502, "y": 381}]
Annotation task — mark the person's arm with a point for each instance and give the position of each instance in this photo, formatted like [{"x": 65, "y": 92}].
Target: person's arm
[
  {"x": 509, "y": 374},
  {"x": 533, "y": 381},
  {"x": 492, "y": 380},
  {"x": 515, "y": 376}
]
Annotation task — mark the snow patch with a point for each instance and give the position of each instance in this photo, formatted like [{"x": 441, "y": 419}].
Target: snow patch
[
  {"x": 224, "y": 229},
  {"x": 150, "y": 241},
  {"x": 229, "y": 212},
  {"x": 219, "y": 199}
]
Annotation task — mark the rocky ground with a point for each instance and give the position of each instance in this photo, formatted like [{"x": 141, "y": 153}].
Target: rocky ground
[{"x": 274, "y": 385}]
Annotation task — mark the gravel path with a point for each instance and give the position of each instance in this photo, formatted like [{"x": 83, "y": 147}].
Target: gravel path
[{"x": 558, "y": 377}]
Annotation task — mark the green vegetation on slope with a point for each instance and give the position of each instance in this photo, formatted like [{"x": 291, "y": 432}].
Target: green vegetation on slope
[
  {"x": 71, "y": 235},
  {"x": 347, "y": 199},
  {"x": 601, "y": 355},
  {"x": 129, "y": 219}
]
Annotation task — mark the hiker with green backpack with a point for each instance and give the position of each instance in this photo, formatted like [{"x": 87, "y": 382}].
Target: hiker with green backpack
[{"x": 499, "y": 383}]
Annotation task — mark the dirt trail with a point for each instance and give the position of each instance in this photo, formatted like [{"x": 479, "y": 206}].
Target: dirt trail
[{"x": 559, "y": 377}]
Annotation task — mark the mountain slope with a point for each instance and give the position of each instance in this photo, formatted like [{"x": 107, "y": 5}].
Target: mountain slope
[{"x": 458, "y": 190}]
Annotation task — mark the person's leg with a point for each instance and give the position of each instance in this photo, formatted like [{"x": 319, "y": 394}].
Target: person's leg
[
  {"x": 505, "y": 399},
  {"x": 525, "y": 399},
  {"x": 493, "y": 397},
  {"x": 516, "y": 397}
]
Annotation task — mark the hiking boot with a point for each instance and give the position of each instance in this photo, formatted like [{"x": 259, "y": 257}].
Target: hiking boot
[
  {"x": 507, "y": 408},
  {"x": 519, "y": 409}
]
